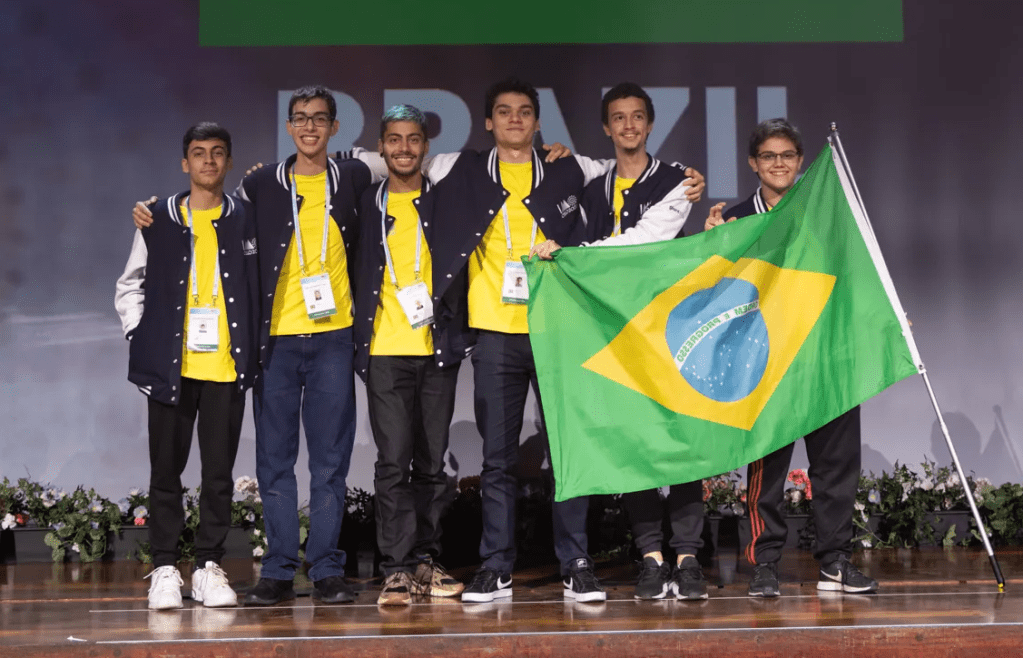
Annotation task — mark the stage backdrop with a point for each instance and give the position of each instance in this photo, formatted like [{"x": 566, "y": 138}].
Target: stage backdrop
[{"x": 95, "y": 96}]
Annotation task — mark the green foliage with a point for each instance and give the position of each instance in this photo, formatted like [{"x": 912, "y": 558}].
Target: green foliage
[{"x": 79, "y": 521}]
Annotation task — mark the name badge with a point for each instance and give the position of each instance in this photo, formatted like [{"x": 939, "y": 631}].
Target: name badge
[
  {"x": 415, "y": 301},
  {"x": 203, "y": 330},
  {"x": 516, "y": 287},
  {"x": 319, "y": 296}
]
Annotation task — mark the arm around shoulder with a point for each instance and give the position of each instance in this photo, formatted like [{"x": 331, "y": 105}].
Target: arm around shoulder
[{"x": 129, "y": 292}]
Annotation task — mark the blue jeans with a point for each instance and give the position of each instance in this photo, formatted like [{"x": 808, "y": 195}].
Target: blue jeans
[{"x": 312, "y": 377}]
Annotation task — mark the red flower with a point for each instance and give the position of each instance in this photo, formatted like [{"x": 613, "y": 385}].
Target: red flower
[
  {"x": 139, "y": 521},
  {"x": 809, "y": 491},
  {"x": 20, "y": 519}
]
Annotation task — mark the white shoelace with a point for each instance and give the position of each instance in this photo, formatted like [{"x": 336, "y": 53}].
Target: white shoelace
[{"x": 167, "y": 577}]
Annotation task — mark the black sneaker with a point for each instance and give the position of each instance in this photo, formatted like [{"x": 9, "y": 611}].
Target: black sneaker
[
  {"x": 581, "y": 584},
  {"x": 842, "y": 576},
  {"x": 270, "y": 591},
  {"x": 688, "y": 581},
  {"x": 765, "y": 581},
  {"x": 487, "y": 585},
  {"x": 333, "y": 589},
  {"x": 654, "y": 580}
]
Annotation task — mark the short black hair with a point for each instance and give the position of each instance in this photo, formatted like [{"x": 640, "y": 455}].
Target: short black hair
[
  {"x": 307, "y": 94},
  {"x": 511, "y": 85},
  {"x": 626, "y": 90},
  {"x": 203, "y": 131},
  {"x": 779, "y": 127}
]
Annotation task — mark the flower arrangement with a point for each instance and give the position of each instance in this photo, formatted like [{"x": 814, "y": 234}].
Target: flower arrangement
[{"x": 725, "y": 494}]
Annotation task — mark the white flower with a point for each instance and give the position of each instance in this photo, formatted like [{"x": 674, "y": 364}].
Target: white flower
[
  {"x": 797, "y": 495},
  {"x": 859, "y": 506},
  {"x": 8, "y": 522},
  {"x": 940, "y": 487},
  {"x": 75, "y": 548},
  {"x": 134, "y": 491},
  {"x": 866, "y": 543},
  {"x": 257, "y": 551},
  {"x": 926, "y": 484},
  {"x": 953, "y": 480},
  {"x": 123, "y": 505},
  {"x": 141, "y": 512},
  {"x": 256, "y": 532},
  {"x": 250, "y": 517}
]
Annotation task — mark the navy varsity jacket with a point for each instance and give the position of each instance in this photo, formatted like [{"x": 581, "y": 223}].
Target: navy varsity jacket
[
  {"x": 269, "y": 191},
  {"x": 751, "y": 206},
  {"x": 152, "y": 295},
  {"x": 453, "y": 340},
  {"x": 469, "y": 195},
  {"x": 655, "y": 207}
]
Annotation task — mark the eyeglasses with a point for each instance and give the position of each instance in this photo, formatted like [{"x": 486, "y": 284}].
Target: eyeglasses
[
  {"x": 319, "y": 120},
  {"x": 766, "y": 157}
]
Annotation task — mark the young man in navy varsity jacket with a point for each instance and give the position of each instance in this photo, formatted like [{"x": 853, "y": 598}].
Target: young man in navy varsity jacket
[
  {"x": 186, "y": 304},
  {"x": 408, "y": 352},
  {"x": 644, "y": 200},
  {"x": 491, "y": 208},
  {"x": 308, "y": 225},
  {"x": 775, "y": 156}
]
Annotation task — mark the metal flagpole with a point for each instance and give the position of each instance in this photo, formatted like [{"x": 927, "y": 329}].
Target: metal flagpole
[{"x": 875, "y": 253}]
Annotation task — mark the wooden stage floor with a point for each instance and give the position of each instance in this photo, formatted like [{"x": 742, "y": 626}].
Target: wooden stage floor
[{"x": 932, "y": 602}]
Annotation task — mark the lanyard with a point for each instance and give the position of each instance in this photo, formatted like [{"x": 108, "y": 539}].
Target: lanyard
[
  {"x": 507, "y": 232},
  {"x": 195, "y": 271},
  {"x": 326, "y": 220},
  {"x": 387, "y": 250}
]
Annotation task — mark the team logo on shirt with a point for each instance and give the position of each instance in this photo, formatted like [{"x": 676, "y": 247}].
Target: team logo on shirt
[
  {"x": 249, "y": 247},
  {"x": 568, "y": 205},
  {"x": 643, "y": 207}
]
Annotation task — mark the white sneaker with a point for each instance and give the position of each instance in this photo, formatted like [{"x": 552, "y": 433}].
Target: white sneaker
[
  {"x": 210, "y": 587},
  {"x": 165, "y": 588}
]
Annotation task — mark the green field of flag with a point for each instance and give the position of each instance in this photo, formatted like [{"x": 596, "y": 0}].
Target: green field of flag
[{"x": 669, "y": 362}]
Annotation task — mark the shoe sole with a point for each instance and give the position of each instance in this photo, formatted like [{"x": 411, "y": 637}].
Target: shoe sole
[
  {"x": 337, "y": 600},
  {"x": 471, "y": 597},
  {"x": 445, "y": 593},
  {"x": 690, "y": 597},
  {"x": 829, "y": 586},
  {"x": 172, "y": 606},
  {"x": 588, "y": 597},
  {"x": 268, "y": 602},
  {"x": 654, "y": 597},
  {"x": 764, "y": 595}
]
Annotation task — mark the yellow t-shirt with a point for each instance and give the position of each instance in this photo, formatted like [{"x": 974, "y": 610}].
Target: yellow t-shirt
[
  {"x": 486, "y": 265},
  {"x": 619, "y": 200},
  {"x": 208, "y": 366},
  {"x": 289, "y": 316},
  {"x": 392, "y": 334}
]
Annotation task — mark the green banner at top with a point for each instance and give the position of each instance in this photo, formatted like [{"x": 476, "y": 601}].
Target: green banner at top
[{"x": 469, "y": 22}]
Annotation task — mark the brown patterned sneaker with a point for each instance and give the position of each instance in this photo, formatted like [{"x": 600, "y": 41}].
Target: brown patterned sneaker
[{"x": 433, "y": 580}]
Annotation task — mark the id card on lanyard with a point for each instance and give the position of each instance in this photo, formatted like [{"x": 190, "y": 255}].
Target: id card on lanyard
[
  {"x": 203, "y": 331},
  {"x": 317, "y": 292},
  {"x": 415, "y": 299},
  {"x": 515, "y": 286}
]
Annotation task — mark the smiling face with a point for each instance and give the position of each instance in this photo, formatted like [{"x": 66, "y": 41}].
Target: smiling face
[
  {"x": 514, "y": 121},
  {"x": 403, "y": 148},
  {"x": 311, "y": 140},
  {"x": 207, "y": 163},
  {"x": 777, "y": 163},
  {"x": 628, "y": 124}
]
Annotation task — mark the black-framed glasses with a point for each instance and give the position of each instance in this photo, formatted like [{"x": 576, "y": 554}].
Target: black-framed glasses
[
  {"x": 300, "y": 120},
  {"x": 767, "y": 157}
]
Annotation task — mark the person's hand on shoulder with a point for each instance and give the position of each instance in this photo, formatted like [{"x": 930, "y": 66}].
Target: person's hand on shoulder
[
  {"x": 141, "y": 214},
  {"x": 557, "y": 151}
]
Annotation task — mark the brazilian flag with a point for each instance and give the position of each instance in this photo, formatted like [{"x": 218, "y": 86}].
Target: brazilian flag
[{"x": 669, "y": 362}]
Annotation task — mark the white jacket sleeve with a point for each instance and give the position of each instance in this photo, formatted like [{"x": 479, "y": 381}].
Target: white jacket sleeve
[
  {"x": 593, "y": 168},
  {"x": 662, "y": 221},
  {"x": 439, "y": 166},
  {"x": 130, "y": 292},
  {"x": 372, "y": 159}
]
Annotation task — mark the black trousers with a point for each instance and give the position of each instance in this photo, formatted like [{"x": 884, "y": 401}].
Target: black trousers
[
  {"x": 503, "y": 371},
  {"x": 834, "y": 454},
  {"x": 685, "y": 512},
  {"x": 411, "y": 401},
  {"x": 219, "y": 407}
]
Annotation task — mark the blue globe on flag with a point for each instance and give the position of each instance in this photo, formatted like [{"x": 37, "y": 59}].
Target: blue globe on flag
[{"x": 718, "y": 339}]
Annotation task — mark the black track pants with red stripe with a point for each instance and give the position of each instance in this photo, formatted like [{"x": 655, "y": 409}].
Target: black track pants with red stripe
[{"x": 834, "y": 455}]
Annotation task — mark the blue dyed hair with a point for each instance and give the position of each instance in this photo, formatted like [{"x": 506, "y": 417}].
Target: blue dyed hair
[{"x": 403, "y": 113}]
